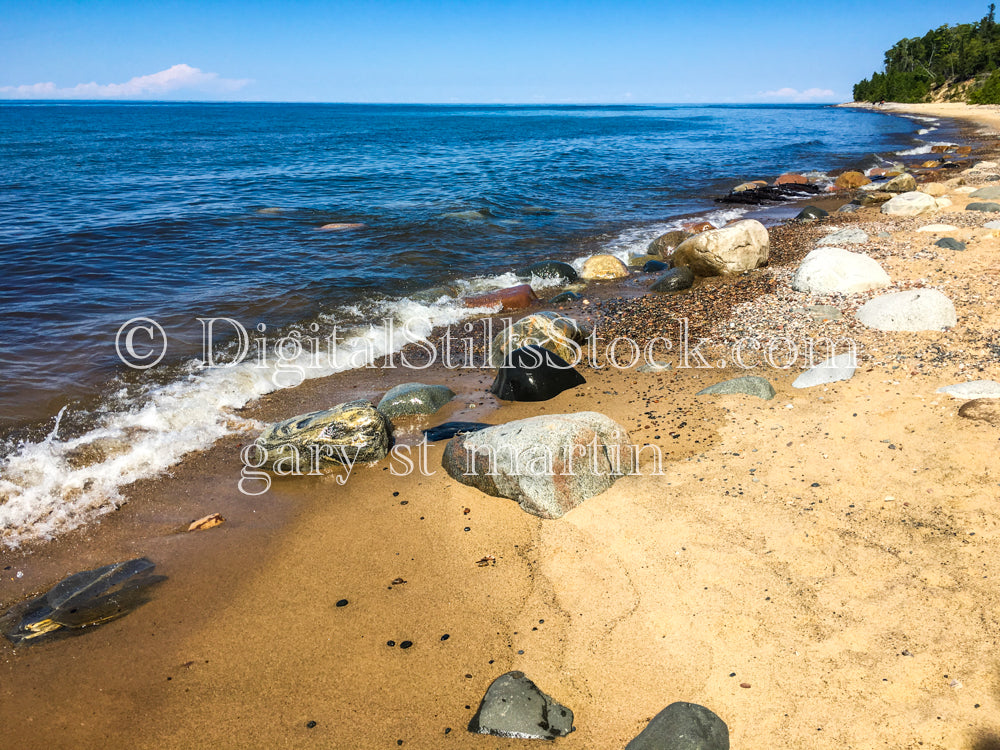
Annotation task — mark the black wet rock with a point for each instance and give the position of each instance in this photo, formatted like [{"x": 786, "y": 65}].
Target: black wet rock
[
  {"x": 683, "y": 726},
  {"x": 950, "y": 243},
  {"x": 534, "y": 374},
  {"x": 514, "y": 707},
  {"x": 674, "y": 280},
  {"x": 448, "y": 430},
  {"x": 566, "y": 296},
  {"x": 91, "y": 597},
  {"x": 549, "y": 269},
  {"x": 811, "y": 213},
  {"x": 654, "y": 266},
  {"x": 770, "y": 194}
]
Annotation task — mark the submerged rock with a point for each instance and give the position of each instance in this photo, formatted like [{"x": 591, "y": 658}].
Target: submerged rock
[
  {"x": 833, "y": 270},
  {"x": 673, "y": 280},
  {"x": 912, "y": 310},
  {"x": 514, "y": 707},
  {"x": 534, "y": 374},
  {"x": 550, "y": 330},
  {"x": 549, "y": 269},
  {"x": 548, "y": 464},
  {"x": 326, "y": 440},
  {"x": 683, "y": 726},
  {"x": 839, "y": 367},
  {"x": 414, "y": 398},
  {"x": 602, "y": 267},
  {"x": 85, "y": 599},
  {"x": 739, "y": 247},
  {"x": 448, "y": 430},
  {"x": 751, "y": 385}
]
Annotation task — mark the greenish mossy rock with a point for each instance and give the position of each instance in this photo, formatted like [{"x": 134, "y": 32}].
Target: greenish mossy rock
[
  {"x": 414, "y": 398},
  {"x": 751, "y": 385}
]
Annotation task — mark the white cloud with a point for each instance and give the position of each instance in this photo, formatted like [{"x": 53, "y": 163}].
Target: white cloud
[
  {"x": 175, "y": 78},
  {"x": 798, "y": 96}
]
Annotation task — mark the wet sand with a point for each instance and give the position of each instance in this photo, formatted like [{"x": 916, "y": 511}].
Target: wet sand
[{"x": 833, "y": 548}]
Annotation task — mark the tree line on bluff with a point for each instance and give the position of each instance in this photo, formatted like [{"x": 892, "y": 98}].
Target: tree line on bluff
[{"x": 968, "y": 54}]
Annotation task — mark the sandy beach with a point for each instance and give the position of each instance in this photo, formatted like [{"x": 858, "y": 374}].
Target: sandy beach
[{"x": 817, "y": 569}]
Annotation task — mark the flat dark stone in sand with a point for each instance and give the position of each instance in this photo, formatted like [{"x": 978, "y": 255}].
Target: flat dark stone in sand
[
  {"x": 514, "y": 707},
  {"x": 549, "y": 269},
  {"x": 654, "y": 266},
  {"x": 985, "y": 207},
  {"x": 751, "y": 385},
  {"x": 683, "y": 726},
  {"x": 950, "y": 243},
  {"x": 91, "y": 597},
  {"x": 414, "y": 398},
  {"x": 811, "y": 213},
  {"x": 674, "y": 280},
  {"x": 565, "y": 297},
  {"x": 534, "y": 374},
  {"x": 448, "y": 430}
]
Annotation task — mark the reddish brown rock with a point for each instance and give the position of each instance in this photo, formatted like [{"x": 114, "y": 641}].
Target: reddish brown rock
[
  {"x": 878, "y": 172},
  {"x": 791, "y": 178},
  {"x": 850, "y": 181},
  {"x": 511, "y": 298},
  {"x": 696, "y": 227}
]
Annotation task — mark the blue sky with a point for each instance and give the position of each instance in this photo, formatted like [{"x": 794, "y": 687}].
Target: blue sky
[{"x": 490, "y": 52}]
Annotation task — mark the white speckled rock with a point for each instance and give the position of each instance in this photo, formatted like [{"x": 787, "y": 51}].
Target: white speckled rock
[
  {"x": 910, "y": 204},
  {"x": 840, "y": 367},
  {"x": 834, "y": 270},
  {"x": 912, "y": 310},
  {"x": 973, "y": 389}
]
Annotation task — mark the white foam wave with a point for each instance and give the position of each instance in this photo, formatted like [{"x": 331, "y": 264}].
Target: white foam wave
[{"x": 917, "y": 150}]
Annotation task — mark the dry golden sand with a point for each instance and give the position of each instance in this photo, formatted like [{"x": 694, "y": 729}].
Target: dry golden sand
[{"x": 834, "y": 549}]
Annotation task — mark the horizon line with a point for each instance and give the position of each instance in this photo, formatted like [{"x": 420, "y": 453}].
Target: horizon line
[{"x": 416, "y": 104}]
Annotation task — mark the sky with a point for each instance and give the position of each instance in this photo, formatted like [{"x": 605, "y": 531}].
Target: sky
[{"x": 586, "y": 51}]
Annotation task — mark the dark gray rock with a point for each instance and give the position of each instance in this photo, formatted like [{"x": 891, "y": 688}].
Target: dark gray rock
[
  {"x": 654, "y": 266},
  {"x": 514, "y": 707},
  {"x": 751, "y": 385},
  {"x": 547, "y": 464},
  {"x": 674, "y": 280},
  {"x": 414, "y": 398},
  {"x": 448, "y": 430},
  {"x": 985, "y": 207},
  {"x": 566, "y": 296},
  {"x": 950, "y": 243},
  {"x": 987, "y": 193},
  {"x": 811, "y": 213},
  {"x": 533, "y": 373},
  {"x": 549, "y": 269},
  {"x": 683, "y": 726},
  {"x": 663, "y": 244},
  {"x": 849, "y": 208}
]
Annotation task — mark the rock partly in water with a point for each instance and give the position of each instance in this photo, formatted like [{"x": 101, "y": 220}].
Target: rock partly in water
[
  {"x": 448, "y": 430},
  {"x": 912, "y": 310},
  {"x": 550, "y": 330},
  {"x": 534, "y": 374},
  {"x": 414, "y": 398},
  {"x": 566, "y": 296},
  {"x": 849, "y": 236},
  {"x": 514, "y": 707},
  {"x": 751, "y": 385},
  {"x": 834, "y": 270},
  {"x": 990, "y": 193},
  {"x": 839, "y": 367},
  {"x": 973, "y": 389},
  {"x": 549, "y": 269},
  {"x": 325, "y": 440},
  {"x": 739, "y": 247},
  {"x": 811, "y": 213},
  {"x": 950, "y": 243},
  {"x": 91, "y": 597},
  {"x": 792, "y": 178},
  {"x": 674, "y": 280},
  {"x": 547, "y": 464},
  {"x": 696, "y": 227},
  {"x": 665, "y": 243},
  {"x": 990, "y": 208},
  {"x": 512, "y": 298},
  {"x": 903, "y": 183},
  {"x": 683, "y": 726},
  {"x": 850, "y": 181},
  {"x": 638, "y": 261},
  {"x": 601, "y": 267},
  {"x": 910, "y": 204},
  {"x": 654, "y": 266},
  {"x": 981, "y": 410}
]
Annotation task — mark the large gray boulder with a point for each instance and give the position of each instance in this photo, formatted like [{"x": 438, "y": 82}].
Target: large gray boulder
[
  {"x": 910, "y": 204},
  {"x": 721, "y": 252},
  {"x": 514, "y": 707},
  {"x": 683, "y": 726},
  {"x": 912, "y": 310},
  {"x": 548, "y": 464},
  {"x": 834, "y": 270}
]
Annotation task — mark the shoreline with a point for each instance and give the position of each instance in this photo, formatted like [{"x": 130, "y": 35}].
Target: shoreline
[{"x": 268, "y": 634}]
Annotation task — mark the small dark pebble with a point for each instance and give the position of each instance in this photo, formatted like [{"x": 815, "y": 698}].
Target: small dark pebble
[
  {"x": 406, "y": 644},
  {"x": 744, "y": 684},
  {"x": 395, "y": 494},
  {"x": 732, "y": 674},
  {"x": 310, "y": 724},
  {"x": 404, "y": 502},
  {"x": 390, "y": 644},
  {"x": 815, "y": 484},
  {"x": 342, "y": 603},
  {"x": 445, "y": 637},
  {"x": 399, "y": 742},
  {"x": 467, "y": 528},
  {"x": 447, "y": 730}
]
